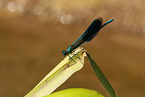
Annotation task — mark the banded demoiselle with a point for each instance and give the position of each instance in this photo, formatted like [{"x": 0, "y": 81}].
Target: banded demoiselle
[{"x": 88, "y": 35}]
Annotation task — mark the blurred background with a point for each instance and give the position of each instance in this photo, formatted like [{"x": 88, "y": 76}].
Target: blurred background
[{"x": 34, "y": 32}]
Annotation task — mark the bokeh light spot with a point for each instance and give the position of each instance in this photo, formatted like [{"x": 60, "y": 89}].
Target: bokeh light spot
[
  {"x": 38, "y": 10},
  {"x": 21, "y": 7},
  {"x": 11, "y": 7},
  {"x": 66, "y": 19}
]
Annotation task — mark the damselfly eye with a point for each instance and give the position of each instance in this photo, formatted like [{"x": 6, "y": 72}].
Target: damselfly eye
[{"x": 64, "y": 52}]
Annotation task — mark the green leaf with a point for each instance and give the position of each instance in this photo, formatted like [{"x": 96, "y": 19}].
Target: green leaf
[
  {"x": 75, "y": 92},
  {"x": 105, "y": 83}
]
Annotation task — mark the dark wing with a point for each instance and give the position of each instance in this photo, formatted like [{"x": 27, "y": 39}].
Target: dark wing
[{"x": 90, "y": 33}]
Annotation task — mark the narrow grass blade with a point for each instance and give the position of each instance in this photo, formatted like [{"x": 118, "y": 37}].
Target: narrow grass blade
[
  {"x": 69, "y": 65},
  {"x": 105, "y": 83}
]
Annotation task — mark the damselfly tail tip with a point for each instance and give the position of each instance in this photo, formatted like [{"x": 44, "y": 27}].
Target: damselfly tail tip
[
  {"x": 107, "y": 23},
  {"x": 111, "y": 20}
]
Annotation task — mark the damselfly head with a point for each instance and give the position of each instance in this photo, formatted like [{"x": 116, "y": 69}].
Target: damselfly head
[{"x": 64, "y": 52}]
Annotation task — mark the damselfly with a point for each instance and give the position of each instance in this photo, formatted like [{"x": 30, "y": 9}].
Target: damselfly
[{"x": 88, "y": 35}]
